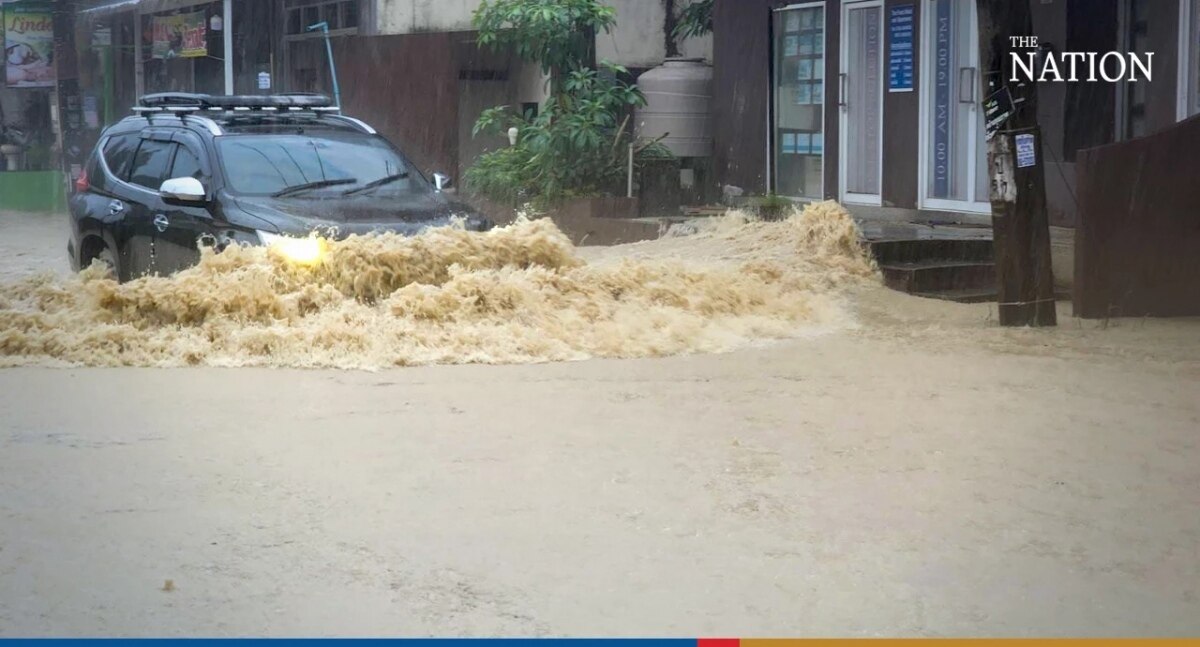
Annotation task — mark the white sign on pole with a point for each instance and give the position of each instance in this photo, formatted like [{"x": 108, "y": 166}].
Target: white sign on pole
[{"x": 1026, "y": 152}]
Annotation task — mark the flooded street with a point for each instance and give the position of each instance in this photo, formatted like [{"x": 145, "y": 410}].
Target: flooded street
[
  {"x": 913, "y": 470},
  {"x": 569, "y": 319}
]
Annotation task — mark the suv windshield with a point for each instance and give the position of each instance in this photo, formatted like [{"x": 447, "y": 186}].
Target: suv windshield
[{"x": 304, "y": 164}]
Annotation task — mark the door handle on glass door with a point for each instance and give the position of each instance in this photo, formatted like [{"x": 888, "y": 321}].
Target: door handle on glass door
[{"x": 842, "y": 91}]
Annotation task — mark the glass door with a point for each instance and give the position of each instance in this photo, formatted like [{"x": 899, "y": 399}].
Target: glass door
[
  {"x": 798, "y": 150},
  {"x": 954, "y": 148},
  {"x": 860, "y": 100}
]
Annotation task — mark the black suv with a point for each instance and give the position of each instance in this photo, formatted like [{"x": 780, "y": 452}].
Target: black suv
[{"x": 192, "y": 170}]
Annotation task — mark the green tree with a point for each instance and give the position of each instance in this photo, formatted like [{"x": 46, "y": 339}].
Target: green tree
[
  {"x": 558, "y": 34},
  {"x": 577, "y": 144},
  {"x": 694, "y": 20}
]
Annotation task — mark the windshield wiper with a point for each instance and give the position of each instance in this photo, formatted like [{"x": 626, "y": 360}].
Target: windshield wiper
[
  {"x": 313, "y": 185},
  {"x": 387, "y": 179}
]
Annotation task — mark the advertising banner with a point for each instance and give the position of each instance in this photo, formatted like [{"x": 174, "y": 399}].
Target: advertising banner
[
  {"x": 181, "y": 35},
  {"x": 28, "y": 45}
]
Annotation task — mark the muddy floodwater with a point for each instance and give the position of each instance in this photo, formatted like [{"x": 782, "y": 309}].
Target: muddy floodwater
[
  {"x": 901, "y": 455},
  {"x": 521, "y": 293}
]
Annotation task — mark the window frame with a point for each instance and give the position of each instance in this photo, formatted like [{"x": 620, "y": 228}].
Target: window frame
[
  {"x": 136, "y": 139},
  {"x": 181, "y": 147},
  {"x": 166, "y": 166}
]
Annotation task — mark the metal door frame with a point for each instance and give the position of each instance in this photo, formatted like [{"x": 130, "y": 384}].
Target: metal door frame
[
  {"x": 772, "y": 110},
  {"x": 1188, "y": 10},
  {"x": 973, "y": 203},
  {"x": 868, "y": 199}
]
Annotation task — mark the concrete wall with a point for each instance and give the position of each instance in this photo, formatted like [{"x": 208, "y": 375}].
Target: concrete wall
[
  {"x": 532, "y": 84},
  {"x": 639, "y": 39},
  {"x": 415, "y": 16}
]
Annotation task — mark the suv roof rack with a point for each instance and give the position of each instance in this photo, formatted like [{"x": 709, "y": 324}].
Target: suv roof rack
[{"x": 184, "y": 102}]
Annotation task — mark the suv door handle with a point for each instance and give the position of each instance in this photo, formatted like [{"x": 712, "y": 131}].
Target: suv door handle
[
  {"x": 115, "y": 207},
  {"x": 161, "y": 223}
]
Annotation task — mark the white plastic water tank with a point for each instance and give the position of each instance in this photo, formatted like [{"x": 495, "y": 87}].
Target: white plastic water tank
[{"x": 678, "y": 94}]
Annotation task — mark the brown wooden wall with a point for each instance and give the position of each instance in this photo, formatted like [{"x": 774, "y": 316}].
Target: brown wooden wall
[
  {"x": 1137, "y": 246},
  {"x": 422, "y": 91},
  {"x": 741, "y": 91},
  {"x": 406, "y": 87},
  {"x": 902, "y": 121}
]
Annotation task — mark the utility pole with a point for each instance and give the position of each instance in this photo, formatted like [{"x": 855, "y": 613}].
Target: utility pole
[{"x": 1020, "y": 226}]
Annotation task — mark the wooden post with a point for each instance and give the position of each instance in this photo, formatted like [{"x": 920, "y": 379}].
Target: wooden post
[{"x": 1020, "y": 226}]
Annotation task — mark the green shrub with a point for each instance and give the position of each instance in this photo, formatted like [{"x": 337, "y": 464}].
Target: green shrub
[{"x": 578, "y": 143}]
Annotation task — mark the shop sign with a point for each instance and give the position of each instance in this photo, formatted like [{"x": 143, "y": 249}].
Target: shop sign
[
  {"x": 102, "y": 37},
  {"x": 900, "y": 51},
  {"x": 28, "y": 45},
  {"x": 181, "y": 35}
]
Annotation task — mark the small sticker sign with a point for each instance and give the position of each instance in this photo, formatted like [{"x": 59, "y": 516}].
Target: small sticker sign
[
  {"x": 1026, "y": 152},
  {"x": 997, "y": 108}
]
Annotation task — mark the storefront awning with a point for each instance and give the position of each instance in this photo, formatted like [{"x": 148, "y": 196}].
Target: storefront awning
[{"x": 101, "y": 7}]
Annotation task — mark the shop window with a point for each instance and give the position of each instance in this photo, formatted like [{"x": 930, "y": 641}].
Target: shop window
[
  {"x": 118, "y": 152},
  {"x": 953, "y": 134},
  {"x": 339, "y": 14},
  {"x": 312, "y": 16},
  {"x": 180, "y": 52},
  {"x": 150, "y": 164},
  {"x": 350, "y": 14},
  {"x": 295, "y": 23},
  {"x": 799, "y": 89}
]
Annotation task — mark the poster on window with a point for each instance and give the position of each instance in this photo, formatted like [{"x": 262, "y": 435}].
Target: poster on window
[
  {"x": 28, "y": 45},
  {"x": 792, "y": 23},
  {"x": 182, "y": 35},
  {"x": 791, "y": 46},
  {"x": 804, "y": 70}
]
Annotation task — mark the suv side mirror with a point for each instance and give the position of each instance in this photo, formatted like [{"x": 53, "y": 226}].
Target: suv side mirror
[
  {"x": 441, "y": 181},
  {"x": 183, "y": 190}
]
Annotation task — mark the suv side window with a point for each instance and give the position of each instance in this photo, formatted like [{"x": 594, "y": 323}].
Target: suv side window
[
  {"x": 118, "y": 152},
  {"x": 150, "y": 163},
  {"x": 186, "y": 164}
]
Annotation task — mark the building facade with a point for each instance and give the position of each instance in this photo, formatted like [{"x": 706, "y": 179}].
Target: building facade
[
  {"x": 410, "y": 67},
  {"x": 876, "y": 102}
]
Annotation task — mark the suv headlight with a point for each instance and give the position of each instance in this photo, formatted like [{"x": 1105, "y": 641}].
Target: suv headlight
[{"x": 304, "y": 251}]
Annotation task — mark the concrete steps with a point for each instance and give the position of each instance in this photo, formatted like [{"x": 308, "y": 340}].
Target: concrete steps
[{"x": 948, "y": 268}]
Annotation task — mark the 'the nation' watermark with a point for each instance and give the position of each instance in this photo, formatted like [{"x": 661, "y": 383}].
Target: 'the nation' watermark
[{"x": 1043, "y": 64}]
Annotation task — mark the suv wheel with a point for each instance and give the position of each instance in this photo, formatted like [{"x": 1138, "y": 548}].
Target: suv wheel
[{"x": 107, "y": 259}]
